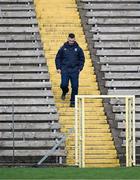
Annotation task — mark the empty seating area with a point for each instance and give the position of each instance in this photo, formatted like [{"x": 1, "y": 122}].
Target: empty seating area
[
  {"x": 113, "y": 30},
  {"x": 29, "y": 126}
]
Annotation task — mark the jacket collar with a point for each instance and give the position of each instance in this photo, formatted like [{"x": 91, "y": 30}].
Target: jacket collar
[{"x": 66, "y": 44}]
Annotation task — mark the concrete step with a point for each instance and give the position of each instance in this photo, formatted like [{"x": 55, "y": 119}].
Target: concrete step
[
  {"x": 24, "y": 85},
  {"x": 23, "y": 30},
  {"x": 27, "y": 93},
  {"x": 121, "y": 60},
  {"x": 124, "y": 92},
  {"x": 23, "y": 69},
  {"x": 21, "y": 45},
  {"x": 120, "y": 68},
  {"x": 25, "y": 144},
  {"x": 115, "y": 20},
  {"x": 9, "y": 53},
  {"x": 86, "y": 105},
  {"x": 24, "y": 77},
  {"x": 111, "y": 1},
  {"x": 115, "y": 13},
  {"x": 89, "y": 91},
  {"x": 16, "y": 1},
  {"x": 18, "y": 37},
  {"x": 26, "y": 101},
  {"x": 109, "y": 6},
  {"x": 118, "y": 52},
  {"x": 101, "y": 161},
  {"x": 47, "y": 117},
  {"x": 105, "y": 165},
  {"x": 119, "y": 45},
  {"x": 87, "y": 109},
  {"x": 99, "y": 119},
  {"x": 31, "y": 152},
  {"x": 40, "y": 61},
  {"x": 30, "y": 136},
  {"x": 17, "y": 7},
  {"x": 18, "y": 21},
  {"x": 17, "y": 14},
  {"x": 28, "y": 126},
  {"x": 116, "y": 37},
  {"x": 28, "y": 109},
  {"x": 123, "y": 84}
]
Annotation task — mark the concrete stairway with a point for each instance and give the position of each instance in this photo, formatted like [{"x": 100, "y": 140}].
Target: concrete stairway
[
  {"x": 115, "y": 36},
  {"x": 29, "y": 125},
  {"x": 56, "y": 19}
]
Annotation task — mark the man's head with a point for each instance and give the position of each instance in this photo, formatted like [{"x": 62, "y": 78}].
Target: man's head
[{"x": 71, "y": 38}]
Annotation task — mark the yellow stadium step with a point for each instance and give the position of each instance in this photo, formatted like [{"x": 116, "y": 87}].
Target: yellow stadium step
[
  {"x": 99, "y": 147},
  {"x": 103, "y": 165}
]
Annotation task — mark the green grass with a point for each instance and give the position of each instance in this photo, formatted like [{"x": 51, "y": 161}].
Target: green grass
[{"x": 70, "y": 173}]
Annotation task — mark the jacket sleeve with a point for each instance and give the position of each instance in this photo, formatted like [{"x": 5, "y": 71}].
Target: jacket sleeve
[
  {"x": 81, "y": 59},
  {"x": 58, "y": 58}
]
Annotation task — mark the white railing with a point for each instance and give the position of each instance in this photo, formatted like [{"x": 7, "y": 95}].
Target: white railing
[{"x": 80, "y": 127}]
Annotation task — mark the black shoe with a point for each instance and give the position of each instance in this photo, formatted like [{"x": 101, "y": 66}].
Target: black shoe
[
  {"x": 63, "y": 96},
  {"x": 72, "y": 104}
]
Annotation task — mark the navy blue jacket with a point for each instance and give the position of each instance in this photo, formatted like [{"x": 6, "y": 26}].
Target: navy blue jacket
[{"x": 70, "y": 58}]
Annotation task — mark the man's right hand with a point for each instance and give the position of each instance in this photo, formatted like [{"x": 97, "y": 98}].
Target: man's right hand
[{"x": 59, "y": 71}]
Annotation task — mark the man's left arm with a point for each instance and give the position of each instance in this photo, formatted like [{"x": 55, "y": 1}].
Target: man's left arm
[{"x": 81, "y": 59}]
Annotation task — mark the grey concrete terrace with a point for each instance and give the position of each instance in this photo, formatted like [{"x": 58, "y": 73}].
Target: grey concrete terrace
[
  {"x": 114, "y": 21},
  {"x": 28, "y": 144},
  {"x": 19, "y": 7},
  {"x": 111, "y": 1},
  {"x": 26, "y": 93},
  {"x": 26, "y": 101},
  {"x": 117, "y": 45},
  {"x": 29, "y": 126},
  {"x": 19, "y": 37},
  {"x": 119, "y": 91},
  {"x": 120, "y": 60},
  {"x": 38, "y": 61},
  {"x": 23, "y": 30},
  {"x": 20, "y": 45},
  {"x": 122, "y": 84},
  {"x": 46, "y": 117},
  {"x": 118, "y": 52},
  {"x": 113, "y": 29},
  {"x": 115, "y": 14},
  {"x": 121, "y": 68},
  {"x": 23, "y": 53},
  {"x": 17, "y": 14},
  {"x": 116, "y": 37},
  {"x": 31, "y": 135},
  {"x": 127, "y": 29},
  {"x": 122, "y": 76},
  {"x": 110, "y": 6},
  {"x": 18, "y": 21},
  {"x": 16, "y": 1},
  {"x": 22, "y": 77},
  {"x": 26, "y": 98},
  {"x": 31, "y": 152},
  {"x": 23, "y": 69},
  {"x": 24, "y": 85}
]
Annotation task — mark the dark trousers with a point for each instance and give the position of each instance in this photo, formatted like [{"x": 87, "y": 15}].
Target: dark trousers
[{"x": 74, "y": 79}]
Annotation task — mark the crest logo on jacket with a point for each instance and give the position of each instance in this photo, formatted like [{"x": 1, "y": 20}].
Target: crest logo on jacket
[
  {"x": 75, "y": 49},
  {"x": 65, "y": 49}
]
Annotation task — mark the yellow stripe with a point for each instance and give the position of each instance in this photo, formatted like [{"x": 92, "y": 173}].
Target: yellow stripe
[{"x": 56, "y": 19}]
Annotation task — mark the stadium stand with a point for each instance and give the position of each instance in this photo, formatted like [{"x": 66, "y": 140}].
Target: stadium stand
[
  {"x": 56, "y": 19},
  {"x": 29, "y": 126},
  {"x": 112, "y": 30}
]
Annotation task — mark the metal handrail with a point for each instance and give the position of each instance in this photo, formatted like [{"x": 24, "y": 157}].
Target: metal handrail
[{"x": 80, "y": 127}]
